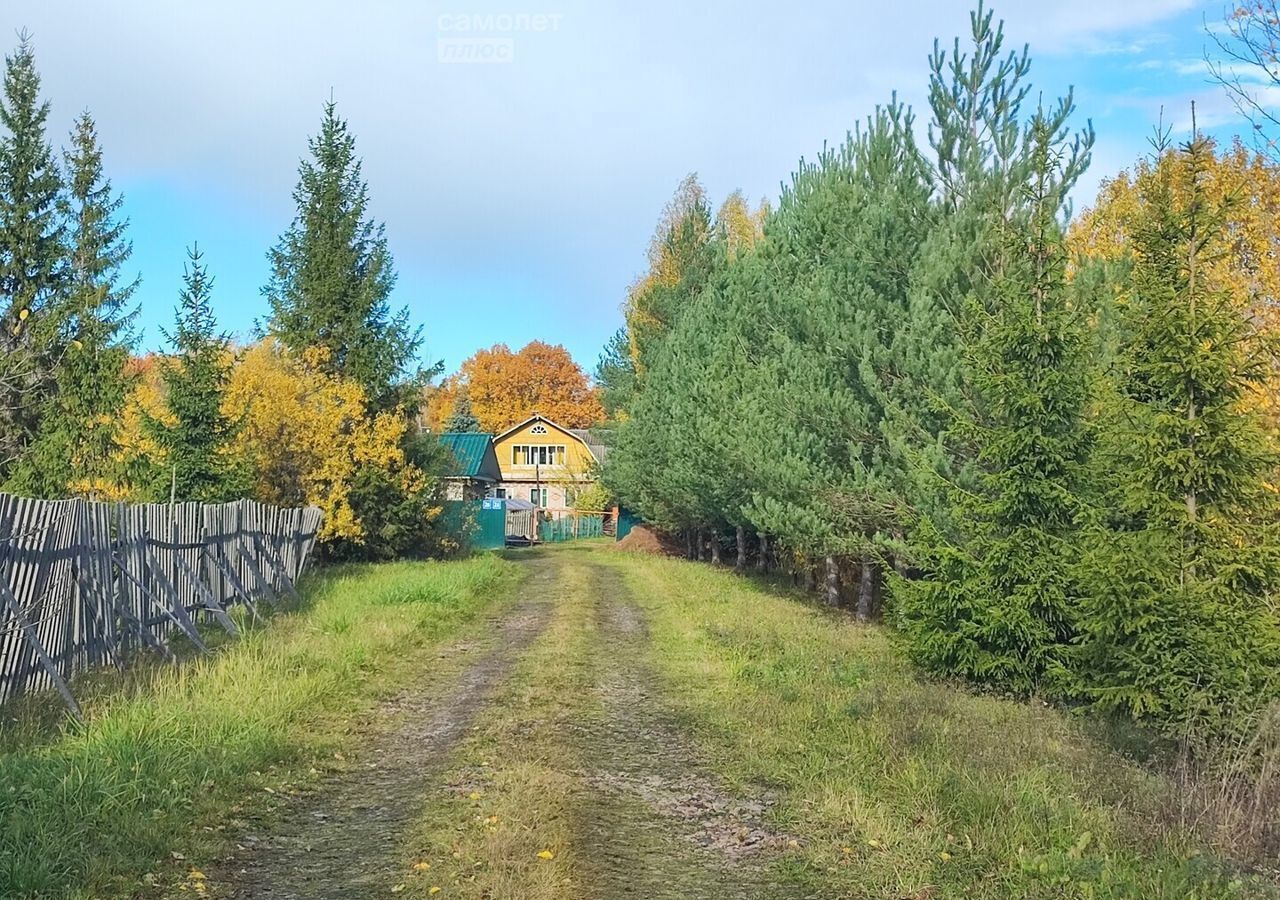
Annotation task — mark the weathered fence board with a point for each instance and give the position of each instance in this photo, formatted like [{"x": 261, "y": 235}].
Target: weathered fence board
[{"x": 85, "y": 584}]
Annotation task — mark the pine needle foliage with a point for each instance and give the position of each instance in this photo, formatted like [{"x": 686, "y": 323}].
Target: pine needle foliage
[
  {"x": 1178, "y": 623},
  {"x": 196, "y": 435},
  {"x": 997, "y": 604},
  {"x": 75, "y": 451}
]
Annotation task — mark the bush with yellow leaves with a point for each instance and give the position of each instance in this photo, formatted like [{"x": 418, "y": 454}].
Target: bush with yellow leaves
[{"x": 309, "y": 439}]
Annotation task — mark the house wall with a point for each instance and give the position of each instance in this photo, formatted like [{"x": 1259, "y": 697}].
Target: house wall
[
  {"x": 578, "y": 464},
  {"x": 557, "y": 492},
  {"x": 560, "y": 480}
]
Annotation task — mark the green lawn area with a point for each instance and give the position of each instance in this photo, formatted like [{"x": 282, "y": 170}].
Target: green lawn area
[
  {"x": 117, "y": 805},
  {"x": 896, "y": 786}
]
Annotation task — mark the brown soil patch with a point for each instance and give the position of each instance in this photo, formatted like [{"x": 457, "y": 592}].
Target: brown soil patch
[{"x": 646, "y": 539}]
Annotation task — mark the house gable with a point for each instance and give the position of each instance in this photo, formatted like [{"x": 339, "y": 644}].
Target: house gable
[{"x": 539, "y": 449}]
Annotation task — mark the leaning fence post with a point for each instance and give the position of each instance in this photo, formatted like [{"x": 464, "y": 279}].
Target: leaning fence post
[
  {"x": 29, "y": 633},
  {"x": 173, "y": 610},
  {"x": 265, "y": 549}
]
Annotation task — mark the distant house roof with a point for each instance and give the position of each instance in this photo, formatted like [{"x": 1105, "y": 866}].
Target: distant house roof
[
  {"x": 596, "y": 441},
  {"x": 473, "y": 452}
]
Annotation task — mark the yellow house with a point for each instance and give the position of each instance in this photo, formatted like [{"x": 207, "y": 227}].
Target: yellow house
[{"x": 545, "y": 463}]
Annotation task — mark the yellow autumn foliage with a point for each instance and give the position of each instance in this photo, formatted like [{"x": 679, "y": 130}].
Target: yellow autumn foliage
[
  {"x": 1247, "y": 186},
  {"x": 306, "y": 434}
]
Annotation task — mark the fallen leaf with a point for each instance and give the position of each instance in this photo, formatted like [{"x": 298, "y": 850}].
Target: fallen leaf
[
  {"x": 435, "y": 889},
  {"x": 397, "y": 889},
  {"x": 546, "y": 854},
  {"x": 421, "y": 866}
]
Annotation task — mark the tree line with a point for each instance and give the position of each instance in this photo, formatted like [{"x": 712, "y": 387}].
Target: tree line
[
  {"x": 1041, "y": 446},
  {"x": 318, "y": 410}
]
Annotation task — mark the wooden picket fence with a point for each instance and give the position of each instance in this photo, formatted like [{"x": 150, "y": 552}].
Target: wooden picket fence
[{"x": 85, "y": 584}]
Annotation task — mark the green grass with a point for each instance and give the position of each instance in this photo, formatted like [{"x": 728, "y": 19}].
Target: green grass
[
  {"x": 900, "y": 787},
  {"x": 123, "y": 802}
]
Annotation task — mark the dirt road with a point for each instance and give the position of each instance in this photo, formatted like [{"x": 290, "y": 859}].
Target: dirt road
[{"x": 540, "y": 761}]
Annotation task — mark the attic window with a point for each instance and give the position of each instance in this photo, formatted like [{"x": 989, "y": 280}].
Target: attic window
[{"x": 538, "y": 429}]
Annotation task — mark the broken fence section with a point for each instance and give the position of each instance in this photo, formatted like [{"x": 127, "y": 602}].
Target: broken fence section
[{"x": 85, "y": 584}]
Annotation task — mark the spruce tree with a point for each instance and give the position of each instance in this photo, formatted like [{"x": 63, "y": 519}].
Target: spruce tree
[
  {"x": 332, "y": 274},
  {"x": 1178, "y": 623},
  {"x": 32, "y": 255},
  {"x": 998, "y": 598},
  {"x": 197, "y": 463},
  {"x": 75, "y": 447},
  {"x": 461, "y": 418}
]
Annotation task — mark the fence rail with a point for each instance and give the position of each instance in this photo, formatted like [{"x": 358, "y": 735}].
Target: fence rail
[{"x": 85, "y": 584}]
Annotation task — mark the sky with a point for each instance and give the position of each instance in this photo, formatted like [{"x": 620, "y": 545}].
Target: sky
[{"x": 520, "y": 151}]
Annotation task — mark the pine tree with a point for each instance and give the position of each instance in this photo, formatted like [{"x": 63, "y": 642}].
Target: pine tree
[
  {"x": 998, "y": 603},
  {"x": 1178, "y": 623},
  {"x": 462, "y": 419},
  {"x": 982, "y": 163},
  {"x": 846, "y": 236},
  {"x": 75, "y": 448},
  {"x": 616, "y": 374},
  {"x": 32, "y": 255},
  {"x": 332, "y": 274},
  {"x": 670, "y": 458},
  {"x": 197, "y": 463}
]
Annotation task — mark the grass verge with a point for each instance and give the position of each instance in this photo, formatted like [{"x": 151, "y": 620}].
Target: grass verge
[
  {"x": 899, "y": 787},
  {"x": 119, "y": 806}
]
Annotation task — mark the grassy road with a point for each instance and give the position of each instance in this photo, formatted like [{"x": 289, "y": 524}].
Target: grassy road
[{"x": 580, "y": 723}]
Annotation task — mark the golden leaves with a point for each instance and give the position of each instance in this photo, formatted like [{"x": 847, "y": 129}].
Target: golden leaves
[
  {"x": 306, "y": 433},
  {"x": 506, "y": 387}
]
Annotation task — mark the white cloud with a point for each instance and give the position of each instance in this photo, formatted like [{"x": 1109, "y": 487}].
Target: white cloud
[{"x": 1092, "y": 25}]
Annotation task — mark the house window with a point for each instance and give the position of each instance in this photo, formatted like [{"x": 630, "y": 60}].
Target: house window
[
  {"x": 538, "y": 497},
  {"x": 500, "y": 493},
  {"x": 538, "y": 454},
  {"x": 538, "y": 429}
]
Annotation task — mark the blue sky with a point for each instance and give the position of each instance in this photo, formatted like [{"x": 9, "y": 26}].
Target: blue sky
[{"x": 519, "y": 196}]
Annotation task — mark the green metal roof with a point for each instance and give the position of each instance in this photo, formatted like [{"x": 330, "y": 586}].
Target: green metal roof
[{"x": 469, "y": 449}]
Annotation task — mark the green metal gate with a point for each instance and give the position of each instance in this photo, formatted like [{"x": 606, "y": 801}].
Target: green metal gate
[
  {"x": 571, "y": 527},
  {"x": 475, "y": 524},
  {"x": 491, "y": 530}
]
